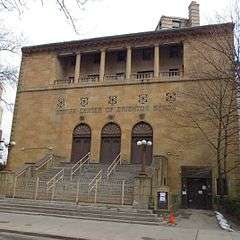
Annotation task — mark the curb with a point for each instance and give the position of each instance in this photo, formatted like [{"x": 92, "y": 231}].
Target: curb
[{"x": 45, "y": 235}]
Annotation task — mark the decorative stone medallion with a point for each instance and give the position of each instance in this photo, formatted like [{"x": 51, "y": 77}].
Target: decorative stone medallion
[
  {"x": 171, "y": 97},
  {"x": 61, "y": 103},
  {"x": 81, "y": 118},
  {"x": 111, "y": 117},
  {"x": 143, "y": 98},
  {"x": 142, "y": 116},
  {"x": 112, "y": 100},
  {"x": 84, "y": 101}
]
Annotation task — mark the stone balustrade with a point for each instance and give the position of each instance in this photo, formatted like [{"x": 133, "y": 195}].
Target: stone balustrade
[{"x": 173, "y": 75}]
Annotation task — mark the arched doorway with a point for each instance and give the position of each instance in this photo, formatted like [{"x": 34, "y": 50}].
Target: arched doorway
[
  {"x": 81, "y": 141},
  {"x": 141, "y": 131},
  {"x": 110, "y": 142}
]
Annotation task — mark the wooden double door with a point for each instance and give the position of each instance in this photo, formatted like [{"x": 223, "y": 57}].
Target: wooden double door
[
  {"x": 110, "y": 148},
  {"x": 110, "y": 143},
  {"x": 141, "y": 131},
  {"x": 81, "y": 146},
  {"x": 81, "y": 143}
]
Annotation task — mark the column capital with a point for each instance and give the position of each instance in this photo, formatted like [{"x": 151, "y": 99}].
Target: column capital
[
  {"x": 156, "y": 44},
  {"x": 103, "y": 49},
  {"x": 129, "y": 47}
]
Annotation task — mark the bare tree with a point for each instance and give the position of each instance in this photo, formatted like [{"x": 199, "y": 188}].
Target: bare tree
[
  {"x": 67, "y": 7},
  {"x": 9, "y": 48},
  {"x": 211, "y": 104},
  {"x": 10, "y": 44}
]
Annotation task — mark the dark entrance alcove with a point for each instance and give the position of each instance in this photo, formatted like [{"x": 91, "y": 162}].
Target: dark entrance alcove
[
  {"x": 140, "y": 131},
  {"x": 81, "y": 143},
  {"x": 110, "y": 142},
  {"x": 196, "y": 187}
]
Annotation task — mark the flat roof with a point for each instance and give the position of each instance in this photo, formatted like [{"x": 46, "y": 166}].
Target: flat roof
[{"x": 131, "y": 36}]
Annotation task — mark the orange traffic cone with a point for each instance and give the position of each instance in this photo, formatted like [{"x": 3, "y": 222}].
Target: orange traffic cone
[{"x": 172, "y": 219}]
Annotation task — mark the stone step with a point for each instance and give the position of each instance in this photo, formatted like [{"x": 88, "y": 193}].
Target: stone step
[{"x": 95, "y": 212}]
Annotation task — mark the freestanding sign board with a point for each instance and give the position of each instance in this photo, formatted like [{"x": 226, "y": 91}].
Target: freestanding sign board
[{"x": 162, "y": 200}]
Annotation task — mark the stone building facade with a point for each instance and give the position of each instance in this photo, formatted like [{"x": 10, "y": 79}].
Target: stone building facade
[{"x": 103, "y": 95}]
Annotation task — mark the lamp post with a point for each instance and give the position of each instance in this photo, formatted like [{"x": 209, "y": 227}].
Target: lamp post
[
  {"x": 143, "y": 144},
  {"x": 8, "y": 145}
]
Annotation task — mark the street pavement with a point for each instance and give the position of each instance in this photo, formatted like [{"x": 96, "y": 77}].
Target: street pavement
[
  {"x": 100, "y": 230},
  {"x": 15, "y": 236}
]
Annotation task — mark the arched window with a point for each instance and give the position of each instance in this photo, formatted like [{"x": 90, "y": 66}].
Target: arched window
[
  {"x": 110, "y": 142},
  {"x": 140, "y": 131},
  {"x": 81, "y": 143}
]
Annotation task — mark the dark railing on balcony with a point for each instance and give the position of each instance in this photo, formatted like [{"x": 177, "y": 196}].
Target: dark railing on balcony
[
  {"x": 89, "y": 78},
  {"x": 172, "y": 74},
  {"x": 68, "y": 80},
  {"x": 114, "y": 77},
  {"x": 142, "y": 75}
]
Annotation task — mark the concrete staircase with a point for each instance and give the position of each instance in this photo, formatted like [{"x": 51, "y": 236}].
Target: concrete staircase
[
  {"x": 110, "y": 190},
  {"x": 100, "y": 212},
  {"x": 112, "y": 200}
]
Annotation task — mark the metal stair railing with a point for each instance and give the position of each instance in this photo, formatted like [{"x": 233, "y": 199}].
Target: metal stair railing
[
  {"x": 56, "y": 178},
  {"x": 123, "y": 192},
  {"x": 94, "y": 183},
  {"x": 79, "y": 164},
  {"x": 113, "y": 165},
  {"x": 18, "y": 174},
  {"x": 51, "y": 184},
  {"x": 44, "y": 161}
]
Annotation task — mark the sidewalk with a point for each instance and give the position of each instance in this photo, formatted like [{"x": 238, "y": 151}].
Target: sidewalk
[{"x": 97, "y": 230}]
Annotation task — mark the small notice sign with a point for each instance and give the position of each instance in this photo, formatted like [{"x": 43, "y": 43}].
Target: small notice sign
[{"x": 162, "y": 197}]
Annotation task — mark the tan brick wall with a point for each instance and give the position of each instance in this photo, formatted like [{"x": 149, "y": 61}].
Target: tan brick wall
[{"x": 39, "y": 125}]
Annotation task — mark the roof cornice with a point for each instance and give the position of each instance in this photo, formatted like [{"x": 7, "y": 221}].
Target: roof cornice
[{"x": 132, "y": 37}]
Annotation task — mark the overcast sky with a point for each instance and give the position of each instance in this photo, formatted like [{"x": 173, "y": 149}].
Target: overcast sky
[
  {"x": 98, "y": 18},
  {"x": 105, "y": 17}
]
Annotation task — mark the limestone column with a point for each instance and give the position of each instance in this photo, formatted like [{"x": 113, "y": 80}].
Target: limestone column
[
  {"x": 77, "y": 68},
  {"x": 156, "y": 61},
  {"x": 129, "y": 63},
  {"x": 102, "y": 65}
]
